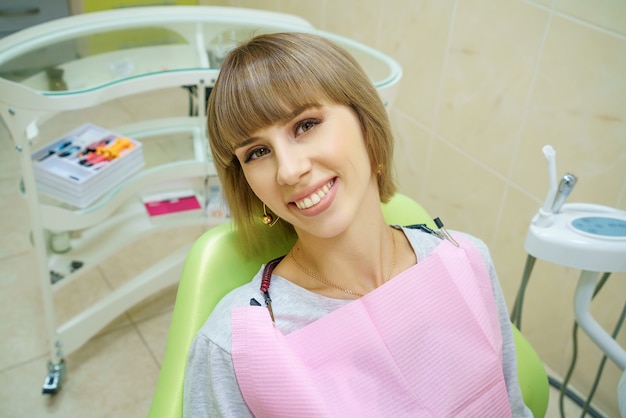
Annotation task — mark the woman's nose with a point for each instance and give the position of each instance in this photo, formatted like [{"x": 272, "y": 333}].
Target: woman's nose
[{"x": 293, "y": 163}]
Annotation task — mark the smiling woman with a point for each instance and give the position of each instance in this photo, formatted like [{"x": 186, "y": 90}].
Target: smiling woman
[
  {"x": 364, "y": 318},
  {"x": 276, "y": 79}
]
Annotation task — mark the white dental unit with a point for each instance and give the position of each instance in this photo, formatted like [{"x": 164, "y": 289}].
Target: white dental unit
[{"x": 584, "y": 236}]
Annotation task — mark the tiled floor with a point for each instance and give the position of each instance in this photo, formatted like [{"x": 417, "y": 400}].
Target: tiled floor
[{"x": 113, "y": 374}]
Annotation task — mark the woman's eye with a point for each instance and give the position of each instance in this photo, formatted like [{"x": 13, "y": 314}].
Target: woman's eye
[
  {"x": 306, "y": 125},
  {"x": 256, "y": 153}
]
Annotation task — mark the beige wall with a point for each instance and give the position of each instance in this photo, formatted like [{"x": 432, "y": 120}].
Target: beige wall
[{"x": 486, "y": 84}]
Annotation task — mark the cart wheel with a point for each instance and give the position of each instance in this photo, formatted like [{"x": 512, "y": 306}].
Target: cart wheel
[{"x": 54, "y": 379}]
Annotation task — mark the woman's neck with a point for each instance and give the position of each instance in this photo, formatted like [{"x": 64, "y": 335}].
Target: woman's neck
[{"x": 360, "y": 259}]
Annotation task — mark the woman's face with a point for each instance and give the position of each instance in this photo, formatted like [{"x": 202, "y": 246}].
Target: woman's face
[{"x": 312, "y": 170}]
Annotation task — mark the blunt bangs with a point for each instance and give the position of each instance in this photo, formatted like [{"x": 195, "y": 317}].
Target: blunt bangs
[{"x": 264, "y": 88}]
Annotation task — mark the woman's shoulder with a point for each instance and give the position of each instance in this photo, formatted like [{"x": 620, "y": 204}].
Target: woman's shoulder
[
  {"x": 294, "y": 307},
  {"x": 216, "y": 329}
]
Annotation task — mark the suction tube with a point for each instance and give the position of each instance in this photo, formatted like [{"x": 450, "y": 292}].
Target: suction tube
[
  {"x": 545, "y": 212},
  {"x": 550, "y": 155}
]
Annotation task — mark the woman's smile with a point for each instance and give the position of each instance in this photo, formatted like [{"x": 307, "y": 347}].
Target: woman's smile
[{"x": 316, "y": 197}]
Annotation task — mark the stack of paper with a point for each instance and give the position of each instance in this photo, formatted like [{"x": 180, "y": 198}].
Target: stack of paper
[{"x": 84, "y": 164}]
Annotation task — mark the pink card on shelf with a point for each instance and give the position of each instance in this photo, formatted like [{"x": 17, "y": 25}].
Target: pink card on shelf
[{"x": 164, "y": 205}]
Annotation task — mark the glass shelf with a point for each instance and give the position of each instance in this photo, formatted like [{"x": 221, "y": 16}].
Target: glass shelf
[{"x": 92, "y": 51}]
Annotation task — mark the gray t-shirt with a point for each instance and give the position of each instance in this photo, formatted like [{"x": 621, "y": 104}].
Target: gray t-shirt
[{"x": 210, "y": 387}]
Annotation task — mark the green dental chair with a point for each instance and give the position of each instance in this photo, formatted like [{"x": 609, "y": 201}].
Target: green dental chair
[{"x": 213, "y": 256}]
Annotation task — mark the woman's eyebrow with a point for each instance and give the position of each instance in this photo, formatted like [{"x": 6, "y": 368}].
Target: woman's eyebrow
[
  {"x": 300, "y": 110},
  {"x": 297, "y": 112},
  {"x": 246, "y": 142}
]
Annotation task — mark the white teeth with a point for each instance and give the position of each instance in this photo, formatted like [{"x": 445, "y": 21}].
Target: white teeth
[{"x": 315, "y": 198}]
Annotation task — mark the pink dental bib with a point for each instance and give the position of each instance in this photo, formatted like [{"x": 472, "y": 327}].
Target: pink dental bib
[{"x": 425, "y": 344}]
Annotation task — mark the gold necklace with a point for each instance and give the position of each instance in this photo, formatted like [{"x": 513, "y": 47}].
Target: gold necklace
[{"x": 319, "y": 278}]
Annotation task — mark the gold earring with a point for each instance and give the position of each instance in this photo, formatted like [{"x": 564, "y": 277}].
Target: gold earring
[
  {"x": 267, "y": 218},
  {"x": 379, "y": 169}
]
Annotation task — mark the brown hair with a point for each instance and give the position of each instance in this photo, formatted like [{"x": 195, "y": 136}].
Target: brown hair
[{"x": 260, "y": 83}]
